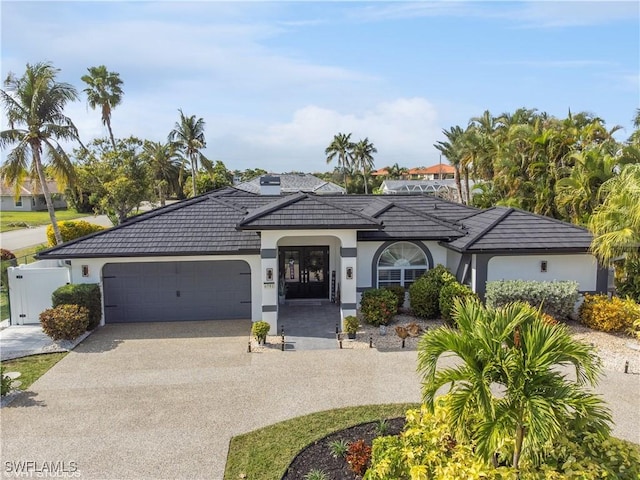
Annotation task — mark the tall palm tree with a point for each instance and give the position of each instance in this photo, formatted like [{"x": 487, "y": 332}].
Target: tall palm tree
[
  {"x": 396, "y": 172},
  {"x": 507, "y": 394},
  {"x": 363, "y": 159},
  {"x": 616, "y": 223},
  {"x": 188, "y": 136},
  {"x": 451, "y": 149},
  {"x": 164, "y": 163},
  {"x": 341, "y": 148},
  {"x": 34, "y": 106},
  {"x": 104, "y": 90}
]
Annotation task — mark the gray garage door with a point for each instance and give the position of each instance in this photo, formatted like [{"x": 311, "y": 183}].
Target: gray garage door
[{"x": 174, "y": 291}]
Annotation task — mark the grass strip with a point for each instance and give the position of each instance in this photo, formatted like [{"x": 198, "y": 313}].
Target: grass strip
[
  {"x": 265, "y": 454},
  {"x": 34, "y": 219},
  {"x": 33, "y": 367}
]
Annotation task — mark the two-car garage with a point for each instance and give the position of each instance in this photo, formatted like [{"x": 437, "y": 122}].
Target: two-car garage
[{"x": 176, "y": 291}]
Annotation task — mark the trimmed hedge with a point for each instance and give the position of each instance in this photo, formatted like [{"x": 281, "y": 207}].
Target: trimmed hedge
[
  {"x": 424, "y": 293},
  {"x": 609, "y": 314},
  {"x": 85, "y": 294},
  {"x": 558, "y": 299},
  {"x": 72, "y": 229},
  {"x": 378, "y": 306},
  {"x": 398, "y": 291},
  {"x": 65, "y": 322}
]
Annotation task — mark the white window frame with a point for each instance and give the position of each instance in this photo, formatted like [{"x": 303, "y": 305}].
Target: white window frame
[{"x": 402, "y": 269}]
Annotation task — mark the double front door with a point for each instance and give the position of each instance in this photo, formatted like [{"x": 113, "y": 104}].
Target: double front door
[{"x": 305, "y": 271}]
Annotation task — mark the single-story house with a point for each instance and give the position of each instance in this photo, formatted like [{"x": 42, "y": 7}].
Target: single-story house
[
  {"x": 228, "y": 253},
  {"x": 290, "y": 183},
  {"x": 29, "y": 197}
]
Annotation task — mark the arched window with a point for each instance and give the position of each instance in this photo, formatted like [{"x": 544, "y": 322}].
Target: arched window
[{"x": 401, "y": 263}]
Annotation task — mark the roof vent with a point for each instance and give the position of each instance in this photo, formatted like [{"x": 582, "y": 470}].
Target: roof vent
[{"x": 270, "y": 185}]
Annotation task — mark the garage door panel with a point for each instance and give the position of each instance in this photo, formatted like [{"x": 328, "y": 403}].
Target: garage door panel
[{"x": 174, "y": 291}]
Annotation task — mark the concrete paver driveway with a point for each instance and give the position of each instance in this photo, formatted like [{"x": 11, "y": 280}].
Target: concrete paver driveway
[{"x": 163, "y": 400}]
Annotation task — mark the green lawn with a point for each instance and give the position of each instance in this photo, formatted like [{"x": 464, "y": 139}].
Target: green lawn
[
  {"x": 33, "y": 367},
  {"x": 266, "y": 453},
  {"x": 34, "y": 219}
]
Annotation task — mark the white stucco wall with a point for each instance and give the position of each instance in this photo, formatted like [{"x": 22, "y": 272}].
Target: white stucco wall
[
  {"x": 95, "y": 272},
  {"x": 582, "y": 268}
]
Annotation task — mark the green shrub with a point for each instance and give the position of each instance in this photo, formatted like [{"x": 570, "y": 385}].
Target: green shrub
[
  {"x": 260, "y": 330},
  {"x": 65, "y": 322},
  {"x": 5, "y": 382},
  {"x": 398, "y": 291},
  {"x": 72, "y": 229},
  {"x": 316, "y": 474},
  {"x": 85, "y": 294},
  {"x": 448, "y": 294},
  {"x": 351, "y": 324},
  {"x": 558, "y": 299},
  {"x": 7, "y": 259},
  {"x": 424, "y": 293},
  {"x": 378, "y": 306},
  {"x": 628, "y": 277},
  {"x": 609, "y": 315},
  {"x": 339, "y": 448}
]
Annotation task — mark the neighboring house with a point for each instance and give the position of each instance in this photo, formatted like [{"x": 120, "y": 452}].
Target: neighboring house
[
  {"x": 436, "y": 172},
  {"x": 30, "y": 197},
  {"x": 223, "y": 254},
  {"x": 442, "y": 188},
  {"x": 290, "y": 183}
]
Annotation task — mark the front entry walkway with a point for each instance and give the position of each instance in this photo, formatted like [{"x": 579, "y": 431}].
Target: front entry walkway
[{"x": 309, "y": 324}]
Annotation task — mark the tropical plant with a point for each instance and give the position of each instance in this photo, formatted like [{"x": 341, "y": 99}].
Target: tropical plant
[
  {"x": 363, "y": 159},
  {"x": 72, "y": 229},
  {"x": 164, "y": 166},
  {"x": 260, "y": 330},
  {"x": 34, "y": 106},
  {"x": 341, "y": 148},
  {"x": 351, "y": 324},
  {"x": 339, "y": 448},
  {"x": 315, "y": 474},
  {"x": 609, "y": 314},
  {"x": 507, "y": 395},
  {"x": 188, "y": 136},
  {"x": 104, "y": 90}
]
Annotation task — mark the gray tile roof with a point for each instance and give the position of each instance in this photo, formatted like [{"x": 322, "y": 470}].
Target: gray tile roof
[
  {"x": 227, "y": 221},
  {"x": 509, "y": 229},
  {"x": 295, "y": 182}
]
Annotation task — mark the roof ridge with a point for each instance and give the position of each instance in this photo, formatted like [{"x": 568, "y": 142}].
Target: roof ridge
[
  {"x": 344, "y": 209},
  {"x": 440, "y": 221},
  {"x": 272, "y": 207},
  {"x": 490, "y": 227}
]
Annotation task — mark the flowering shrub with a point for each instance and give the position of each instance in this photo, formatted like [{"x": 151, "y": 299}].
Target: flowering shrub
[
  {"x": 378, "y": 306},
  {"x": 609, "y": 315},
  {"x": 358, "y": 456},
  {"x": 72, "y": 229},
  {"x": 558, "y": 299},
  {"x": 65, "y": 322},
  {"x": 424, "y": 293}
]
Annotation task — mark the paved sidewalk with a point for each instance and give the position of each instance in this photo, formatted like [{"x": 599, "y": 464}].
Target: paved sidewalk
[{"x": 22, "y": 340}]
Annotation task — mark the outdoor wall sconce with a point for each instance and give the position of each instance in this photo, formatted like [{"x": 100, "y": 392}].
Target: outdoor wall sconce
[
  {"x": 269, "y": 274},
  {"x": 349, "y": 273},
  {"x": 543, "y": 266},
  {"x": 85, "y": 270}
]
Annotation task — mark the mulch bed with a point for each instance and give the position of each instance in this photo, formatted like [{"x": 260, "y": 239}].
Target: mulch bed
[{"x": 318, "y": 455}]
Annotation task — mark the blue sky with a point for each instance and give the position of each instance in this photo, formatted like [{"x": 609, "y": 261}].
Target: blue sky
[{"x": 274, "y": 81}]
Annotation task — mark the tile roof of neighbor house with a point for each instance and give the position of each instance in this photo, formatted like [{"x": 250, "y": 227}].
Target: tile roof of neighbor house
[
  {"x": 28, "y": 187},
  {"x": 294, "y": 182},
  {"x": 226, "y": 222}
]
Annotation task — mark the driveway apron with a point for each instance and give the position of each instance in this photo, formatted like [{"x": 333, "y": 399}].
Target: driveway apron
[{"x": 163, "y": 400}]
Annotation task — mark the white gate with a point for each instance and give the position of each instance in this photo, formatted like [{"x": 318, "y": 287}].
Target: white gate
[{"x": 30, "y": 289}]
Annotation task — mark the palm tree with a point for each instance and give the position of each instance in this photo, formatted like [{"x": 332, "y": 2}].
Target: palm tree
[
  {"x": 363, "y": 159},
  {"x": 164, "y": 162},
  {"x": 34, "y": 105},
  {"x": 342, "y": 148},
  {"x": 507, "y": 394},
  {"x": 616, "y": 223},
  {"x": 188, "y": 136},
  {"x": 396, "y": 172},
  {"x": 104, "y": 90},
  {"x": 451, "y": 149}
]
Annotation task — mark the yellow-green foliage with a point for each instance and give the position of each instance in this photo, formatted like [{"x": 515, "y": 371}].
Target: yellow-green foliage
[
  {"x": 427, "y": 449},
  {"x": 71, "y": 230},
  {"x": 609, "y": 315}
]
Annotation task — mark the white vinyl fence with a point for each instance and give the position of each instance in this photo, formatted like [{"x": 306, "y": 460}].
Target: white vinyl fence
[{"x": 30, "y": 289}]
